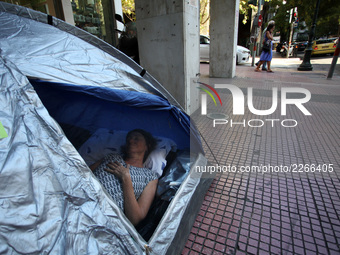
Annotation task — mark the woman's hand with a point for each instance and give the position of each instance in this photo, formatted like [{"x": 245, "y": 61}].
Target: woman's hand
[
  {"x": 134, "y": 210},
  {"x": 118, "y": 170}
]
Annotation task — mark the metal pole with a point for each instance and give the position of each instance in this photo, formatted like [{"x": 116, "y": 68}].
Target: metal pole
[
  {"x": 335, "y": 59},
  {"x": 290, "y": 31},
  {"x": 306, "y": 65},
  {"x": 260, "y": 31},
  {"x": 290, "y": 38},
  {"x": 255, "y": 39},
  {"x": 253, "y": 52}
]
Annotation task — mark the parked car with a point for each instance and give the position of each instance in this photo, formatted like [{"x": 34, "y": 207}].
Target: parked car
[
  {"x": 302, "y": 40},
  {"x": 242, "y": 56},
  {"x": 324, "y": 46},
  {"x": 204, "y": 48},
  {"x": 301, "y": 46}
]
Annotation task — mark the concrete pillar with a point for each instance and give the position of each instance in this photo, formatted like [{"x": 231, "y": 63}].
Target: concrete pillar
[
  {"x": 168, "y": 40},
  {"x": 67, "y": 10},
  {"x": 224, "y": 16}
]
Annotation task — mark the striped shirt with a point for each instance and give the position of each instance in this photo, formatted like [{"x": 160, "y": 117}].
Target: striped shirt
[{"x": 140, "y": 177}]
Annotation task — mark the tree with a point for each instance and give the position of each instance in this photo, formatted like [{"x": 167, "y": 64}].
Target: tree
[
  {"x": 245, "y": 7},
  {"x": 129, "y": 12},
  {"x": 204, "y": 16},
  {"x": 129, "y": 9},
  {"x": 279, "y": 10},
  {"x": 328, "y": 23},
  {"x": 328, "y": 17}
]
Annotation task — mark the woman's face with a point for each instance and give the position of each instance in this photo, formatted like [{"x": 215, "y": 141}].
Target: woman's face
[{"x": 136, "y": 143}]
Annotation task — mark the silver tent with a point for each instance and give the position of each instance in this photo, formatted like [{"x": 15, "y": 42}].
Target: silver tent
[{"x": 50, "y": 202}]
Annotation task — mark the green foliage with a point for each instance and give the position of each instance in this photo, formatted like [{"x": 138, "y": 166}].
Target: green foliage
[
  {"x": 129, "y": 9},
  {"x": 204, "y": 15},
  {"x": 245, "y": 7},
  {"x": 328, "y": 20}
]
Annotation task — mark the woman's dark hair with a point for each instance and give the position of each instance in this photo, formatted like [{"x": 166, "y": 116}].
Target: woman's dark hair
[
  {"x": 151, "y": 142},
  {"x": 270, "y": 26}
]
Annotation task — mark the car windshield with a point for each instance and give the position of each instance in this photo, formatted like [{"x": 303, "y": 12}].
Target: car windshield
[
  {"x": 302, "y": 37},
  {"x": 204, "y": 40},
  {"x": 325, "y": 41}
]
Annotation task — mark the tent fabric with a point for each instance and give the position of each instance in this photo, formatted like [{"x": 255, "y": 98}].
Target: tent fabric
[
  {"x": 40, "y": 44},
  {"x": 50, "y": 202},
  {"x": 91, "y": 108},
  {"x": 33, "y": 46},
  {"x": 116, "y": 107},
  {"x": 64, "y": 54}
]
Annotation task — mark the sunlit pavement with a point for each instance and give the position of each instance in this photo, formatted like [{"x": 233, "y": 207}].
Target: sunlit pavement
[{"x": 292, "y": 212}]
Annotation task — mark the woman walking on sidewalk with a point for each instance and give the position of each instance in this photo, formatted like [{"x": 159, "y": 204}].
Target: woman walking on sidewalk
[{"x": 266, "y": 56}]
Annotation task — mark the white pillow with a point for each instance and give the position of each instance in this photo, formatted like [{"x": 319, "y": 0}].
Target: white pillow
[{"x": 105, "y": 141}]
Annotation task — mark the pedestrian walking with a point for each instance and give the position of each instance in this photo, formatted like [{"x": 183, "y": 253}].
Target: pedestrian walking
[
  {"x": 267, "y": 55},
  {"x": 264, "y": 66}
]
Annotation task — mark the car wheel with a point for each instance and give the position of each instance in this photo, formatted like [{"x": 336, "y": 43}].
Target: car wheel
[{"x": 236, "y": 59}]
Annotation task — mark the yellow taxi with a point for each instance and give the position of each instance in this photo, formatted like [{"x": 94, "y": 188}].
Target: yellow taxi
[{"x": 324, "y": 46}]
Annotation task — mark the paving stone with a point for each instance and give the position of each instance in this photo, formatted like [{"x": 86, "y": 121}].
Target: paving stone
[{"x": 289, "y": 213}]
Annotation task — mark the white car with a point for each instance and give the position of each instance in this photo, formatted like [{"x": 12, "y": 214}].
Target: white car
[{"x": 242, "y": 56}]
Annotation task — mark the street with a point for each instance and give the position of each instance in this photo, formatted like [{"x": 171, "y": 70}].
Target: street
[
  {"x": 320, "y": 64},
  {"x": 295, "y": 209}
]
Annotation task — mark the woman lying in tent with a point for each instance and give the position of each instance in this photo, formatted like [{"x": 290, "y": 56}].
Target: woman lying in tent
[{"x": 131, "y": 185}]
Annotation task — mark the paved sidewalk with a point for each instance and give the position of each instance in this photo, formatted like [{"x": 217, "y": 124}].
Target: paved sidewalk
[{"x": 277, "y": 213}]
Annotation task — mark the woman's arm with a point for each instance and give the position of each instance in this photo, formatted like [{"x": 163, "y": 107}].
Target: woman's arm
[
  {"x": 95, "y": 165},
  {"x": 135, "y": 210},
  {"x": 269, "y": 35}
]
